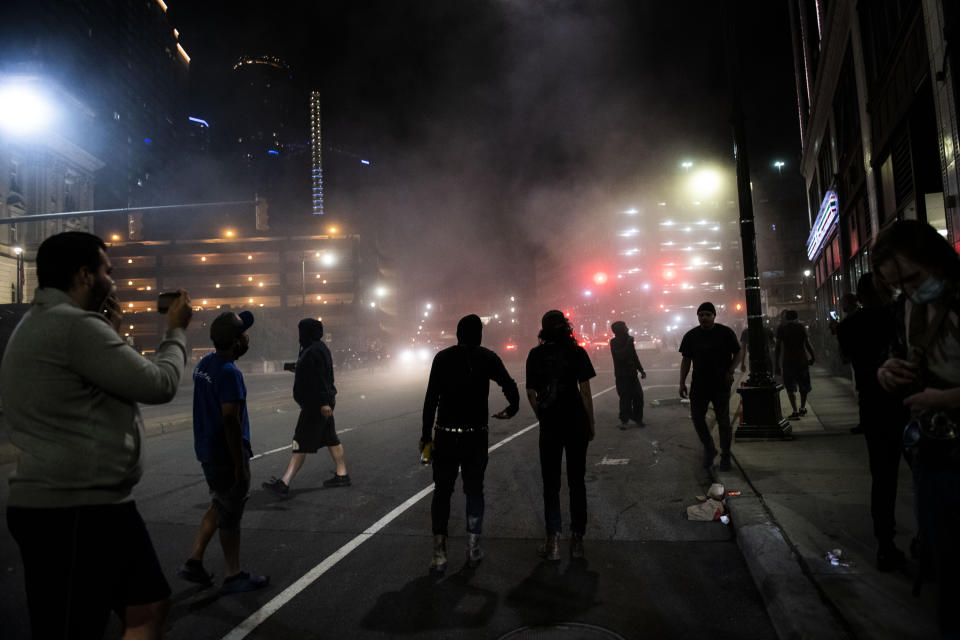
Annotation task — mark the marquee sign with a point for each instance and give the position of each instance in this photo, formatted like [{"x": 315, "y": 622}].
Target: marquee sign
[{"x": 826, "y": 220}]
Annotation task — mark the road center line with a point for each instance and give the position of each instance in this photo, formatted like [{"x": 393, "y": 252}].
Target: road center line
[{"x": 253, "y": 621}]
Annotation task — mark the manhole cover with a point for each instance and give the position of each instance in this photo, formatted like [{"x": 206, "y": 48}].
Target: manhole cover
[{"x": 561, "y": 631}]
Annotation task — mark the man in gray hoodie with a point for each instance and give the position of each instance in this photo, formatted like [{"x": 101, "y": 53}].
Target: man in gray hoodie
[
  {"x": 314, "y": 391},
  {"x": 70, "y": 387}
]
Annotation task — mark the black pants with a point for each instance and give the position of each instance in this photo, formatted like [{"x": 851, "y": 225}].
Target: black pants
[
  {"x": 631, "y": 398},
  {"x": 554, "y": 440},
  {"x": 938, "y": 508},
  {"x": 720, "y": 399},
  {"x": 883, "y": 428},
  {"x": 454, "y": 452}
]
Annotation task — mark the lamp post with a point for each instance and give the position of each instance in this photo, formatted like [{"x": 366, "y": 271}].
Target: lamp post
[
  {"x": 18, "y": 251},
  {"x": 762, "y": 413}
]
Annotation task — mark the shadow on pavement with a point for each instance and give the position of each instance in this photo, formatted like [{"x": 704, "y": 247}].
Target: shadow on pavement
[
  {"x": 551, "y": 595},
  {"x": 429, "y": 603}
]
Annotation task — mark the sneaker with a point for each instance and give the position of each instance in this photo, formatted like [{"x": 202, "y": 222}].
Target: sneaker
[
  {"x": 576, "y": 546},
  {"x": 337, "y": 481},
  {"x": 803, "y": 411},
  {"x": 474, "y": 552},
  {"x": 725, "y": 463},
  {"x": 708, "y": 457},
  {"x": 277, "y": 486},
  {"x": 244, "y": 581},
  {"x": 794, "y": 416},
  {"x": 193, "y": 571}
]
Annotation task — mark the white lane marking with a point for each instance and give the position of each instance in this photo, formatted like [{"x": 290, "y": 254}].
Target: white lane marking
[
  {"x": 290, "y": 446},
  {"x": 243, "y": 629},
  {"x": 613, "y": 461}
]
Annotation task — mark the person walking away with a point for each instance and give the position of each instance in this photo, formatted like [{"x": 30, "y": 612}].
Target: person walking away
[
  {"x": 790, "y": 357},
  {"x": 867, "y": 336},
  {"x": 221, "y": 436},
  {"x": 910, "y": 256},
  {"x": 558, "y": 388},
  {"x": 626, "y": 366},
  {"x": 744, "y": 356},
  {"x": 314, "y": 391},
  {"x": 456, "y": 396},
  {"x": 70, "y": 386},
  {"x": 713, "y": 350}
]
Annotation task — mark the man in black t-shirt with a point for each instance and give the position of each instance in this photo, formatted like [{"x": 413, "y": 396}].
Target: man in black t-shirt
[
  {"x": 791, "y": 352},
  {"x": 714, "y": 351},
  {"x": 457, "y": 397}
]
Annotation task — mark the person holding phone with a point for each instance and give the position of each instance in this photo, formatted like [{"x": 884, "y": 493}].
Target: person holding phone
[{"x": 70, "y": 387}]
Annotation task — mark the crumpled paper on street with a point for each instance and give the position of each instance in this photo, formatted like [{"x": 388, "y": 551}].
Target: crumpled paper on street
[{"x": 706, "y": 511}]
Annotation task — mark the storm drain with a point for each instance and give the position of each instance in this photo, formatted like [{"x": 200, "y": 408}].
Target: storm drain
[{"x": 562, "y": 631}]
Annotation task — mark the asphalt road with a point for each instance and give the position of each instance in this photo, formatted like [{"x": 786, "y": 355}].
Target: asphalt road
[{"x": 352, "y": 563}]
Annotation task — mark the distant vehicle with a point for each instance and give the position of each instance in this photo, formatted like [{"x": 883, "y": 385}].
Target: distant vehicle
[{"x": 646, "y": 342}]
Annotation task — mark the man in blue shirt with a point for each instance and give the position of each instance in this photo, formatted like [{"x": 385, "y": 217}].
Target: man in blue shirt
[{"x": 221, "y": 438}]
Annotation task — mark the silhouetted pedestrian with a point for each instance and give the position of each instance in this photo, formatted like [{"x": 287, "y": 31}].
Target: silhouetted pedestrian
[
  {"x": 626, "y": 367},
  {"x": 793, "y": 356}
]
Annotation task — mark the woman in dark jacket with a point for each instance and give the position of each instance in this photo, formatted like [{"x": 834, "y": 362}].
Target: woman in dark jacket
[{"x": 558, "y": 387}]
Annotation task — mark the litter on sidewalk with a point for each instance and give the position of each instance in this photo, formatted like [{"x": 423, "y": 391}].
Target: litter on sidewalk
[
  {"x": 834, "y": 557},
  {"x": 710, "y": 507}
]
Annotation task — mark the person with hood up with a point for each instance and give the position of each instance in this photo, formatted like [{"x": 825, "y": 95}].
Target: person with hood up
[
  {"x": 314, "y": 391},
  {"x": 626, "y": 365},
  {"x": 457, "y": 397}
]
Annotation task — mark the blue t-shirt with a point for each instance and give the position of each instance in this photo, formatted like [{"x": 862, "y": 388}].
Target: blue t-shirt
[{"x": 217, "y": 381}]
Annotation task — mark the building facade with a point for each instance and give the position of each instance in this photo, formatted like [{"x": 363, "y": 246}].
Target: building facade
[{"x": 877, "y": 104}]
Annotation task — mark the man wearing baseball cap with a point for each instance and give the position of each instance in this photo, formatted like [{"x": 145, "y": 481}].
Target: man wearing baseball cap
[
  {"x": 221, "y": 437},
  {"x": 714, "y": 351}
]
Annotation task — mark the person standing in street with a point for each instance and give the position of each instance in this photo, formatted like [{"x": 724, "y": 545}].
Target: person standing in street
[
  {"x": 912, "y": 258},
  {"x": 867, "y": 337},
  {"x": 558, "y": 388},
  {"x": 456, "y": 397},
  {"x": 70, "y": 386},
  {"x": 221, "y": 436},
  {"x": 793, "y": 356},
  {"x": 714, "y": 352},
  {"x": 626, "y": 367},
  {"x": 314, "y": 391}
]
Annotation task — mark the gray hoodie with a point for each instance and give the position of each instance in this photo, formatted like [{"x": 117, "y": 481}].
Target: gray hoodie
[{"x": 70, "y": 388}]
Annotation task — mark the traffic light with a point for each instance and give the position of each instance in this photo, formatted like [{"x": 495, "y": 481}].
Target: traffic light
[{"x": 262, "y": 214}]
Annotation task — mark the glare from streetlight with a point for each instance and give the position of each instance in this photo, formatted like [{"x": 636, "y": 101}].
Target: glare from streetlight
[
  {"x": 24, "y": 108},
  {"x": 18, "y": 250},
  {"x": 381, "y": 291},
  {"x": 806, "y": 273},
  {"x": 686, "y": 164},
  {"x": 704, "y": 183},
  {"x": 328, "y": 260}
]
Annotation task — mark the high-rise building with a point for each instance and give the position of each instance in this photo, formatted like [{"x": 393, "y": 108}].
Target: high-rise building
[
  {"x": 124, "y": 60},
  {"x": 877, "y": 91}
]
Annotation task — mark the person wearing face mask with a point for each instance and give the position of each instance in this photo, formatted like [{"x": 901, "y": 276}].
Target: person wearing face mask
[
  {"x": 70, "y": 387},
  {"x": 221, "y": 437},
  {"x": 915, "y": 261}
]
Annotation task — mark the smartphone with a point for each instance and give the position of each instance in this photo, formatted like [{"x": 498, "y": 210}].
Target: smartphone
[{"x": 164, "y": 300}]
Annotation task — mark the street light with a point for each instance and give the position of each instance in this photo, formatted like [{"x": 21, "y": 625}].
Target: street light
[
  {"x": 24, "y": 107},
  {"x": 779, "y": 164},
  {"x": 18, "y": 251},
  {"x": 686, "y": 164}
]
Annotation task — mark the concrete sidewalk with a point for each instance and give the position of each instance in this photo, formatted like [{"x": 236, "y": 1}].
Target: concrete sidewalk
[{"x": 803, "y": 498}]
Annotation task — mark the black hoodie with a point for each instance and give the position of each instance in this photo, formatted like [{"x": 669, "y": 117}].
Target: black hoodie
[
  {"x": 460, "y": 382},
  {"x": 626, "y": 363},
  {"x": 313, "y": 382}
]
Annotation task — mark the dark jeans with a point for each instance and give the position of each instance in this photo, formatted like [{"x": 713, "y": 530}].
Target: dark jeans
[
  {"x": 938, "y": 507},
  {"x": 554, "y": 440},
  {"x": 883, "y": 428},
  {"x": 720, "y": 399},
  {"x": 631, "y": 398},
  {"x": 453, "y": 452}
]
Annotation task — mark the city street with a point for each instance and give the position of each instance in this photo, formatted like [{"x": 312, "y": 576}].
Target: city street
[{"x": 352, "y": 563}]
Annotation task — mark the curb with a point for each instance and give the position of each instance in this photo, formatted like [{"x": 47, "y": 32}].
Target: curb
[{"x": 797, "y": 608}]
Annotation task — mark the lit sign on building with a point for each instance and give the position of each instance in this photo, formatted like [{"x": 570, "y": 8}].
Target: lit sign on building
[{"x": 826, "y": 220}]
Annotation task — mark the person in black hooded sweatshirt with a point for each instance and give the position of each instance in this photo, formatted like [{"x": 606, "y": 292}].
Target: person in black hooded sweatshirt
[
  {"x": 313, "y": 390},
  {"x": 626, "y": 365},
  {"x": 457, "y": 397}
]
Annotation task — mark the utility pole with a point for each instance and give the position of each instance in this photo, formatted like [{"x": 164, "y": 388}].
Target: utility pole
[{"x": 762, "y": 413}]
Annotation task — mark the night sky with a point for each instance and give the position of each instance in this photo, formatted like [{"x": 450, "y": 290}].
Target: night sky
[{"x": 494, "y": 126}]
